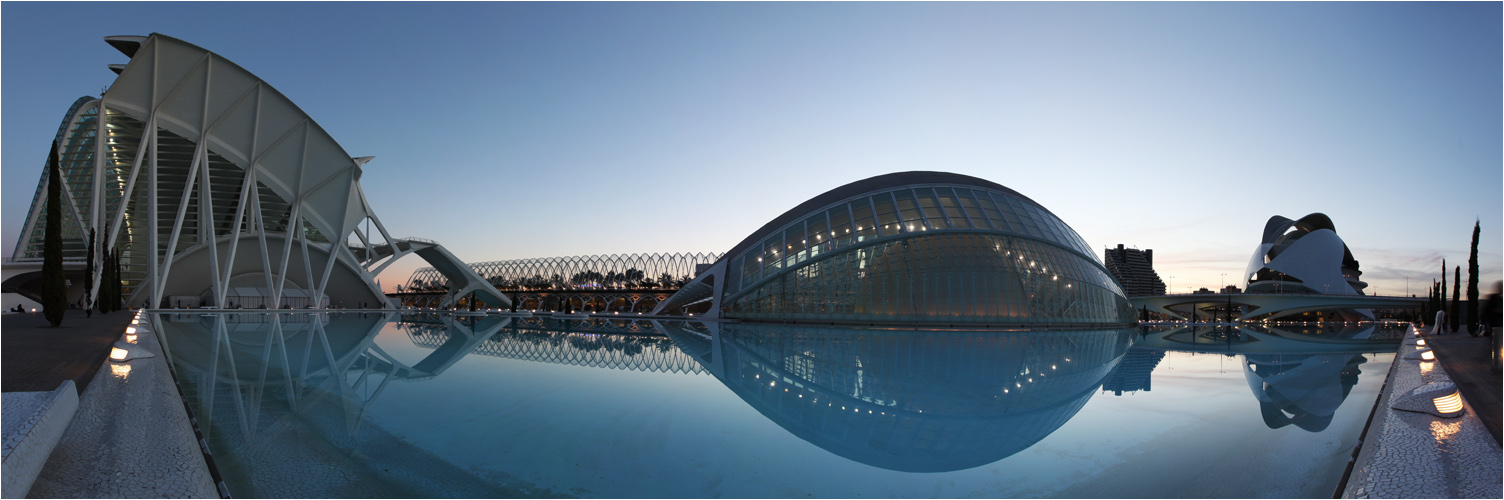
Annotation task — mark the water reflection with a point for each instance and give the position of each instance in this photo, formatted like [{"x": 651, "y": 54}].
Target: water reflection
[
  {"x": 1300, "y": 373},
  {"x": 909, "y": 400},
  {"x": 282, "y": 397},
  {"x": 616, "y": 344},
  {"x": 288, "y": 401}
]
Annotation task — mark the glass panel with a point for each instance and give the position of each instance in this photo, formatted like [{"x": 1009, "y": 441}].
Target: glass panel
[
  {"x": 930, "y": 208},
  {"x": 908, "y": 210},
  {"x": 793, "y": 238},
  {"x": 887, "y": 215},
  {"x": 818, "y": 238},
  {"x": 772, "y": 254},
  {"x": 840, "y": 225},
  {"x": 953, "y": 210},
  {"x": 973, "y": 209}
]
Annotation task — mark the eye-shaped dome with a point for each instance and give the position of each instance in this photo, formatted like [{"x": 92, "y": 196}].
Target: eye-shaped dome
[{"x": 912, "y": 247}]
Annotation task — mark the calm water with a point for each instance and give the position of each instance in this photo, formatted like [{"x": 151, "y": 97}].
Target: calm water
[{"x": 375, "y": 405}]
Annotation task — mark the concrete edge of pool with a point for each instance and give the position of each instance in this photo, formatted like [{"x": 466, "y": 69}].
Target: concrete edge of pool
[
  {"x": 131, "y": 437},
  {"x": 1418, "y": 455}
]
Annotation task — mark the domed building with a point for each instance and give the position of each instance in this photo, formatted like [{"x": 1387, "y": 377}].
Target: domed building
[
  {"x": 1303, "y": 256},
  {"x": 911, "y": 247}
]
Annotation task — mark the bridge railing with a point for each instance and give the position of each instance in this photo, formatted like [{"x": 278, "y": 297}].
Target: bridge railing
[{"x": 584, "y": 272}]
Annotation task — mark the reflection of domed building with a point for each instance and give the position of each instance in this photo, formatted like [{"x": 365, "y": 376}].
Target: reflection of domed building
[
  {"x": 927, "y": 247},
  {"x": 1304, "y": 390},
  {"x": 913, "y": 401},
  {"x": 1303, "y": 256}
]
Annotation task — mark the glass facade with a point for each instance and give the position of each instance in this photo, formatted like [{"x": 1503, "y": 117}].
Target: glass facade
[
  {"x": 924, "y": 253},
  {"x": 76, "y": 147}
]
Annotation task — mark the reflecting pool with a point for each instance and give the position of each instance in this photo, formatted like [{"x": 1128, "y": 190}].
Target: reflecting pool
[{"x": 429, "y": 405}]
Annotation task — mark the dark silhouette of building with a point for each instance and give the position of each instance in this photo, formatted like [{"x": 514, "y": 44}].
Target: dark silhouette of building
[
  {"x": 1134, "y": 269},
  {"x": 1132, "y": 374}
]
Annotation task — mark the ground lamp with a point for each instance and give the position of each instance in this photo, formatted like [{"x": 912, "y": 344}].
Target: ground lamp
[
  {"x": 1437, "y": 398},
  {"x": 1423, "y": 355}
]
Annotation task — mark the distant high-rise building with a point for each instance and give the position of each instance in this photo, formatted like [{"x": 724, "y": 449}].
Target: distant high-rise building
[{"x": 1134, "y": 269}]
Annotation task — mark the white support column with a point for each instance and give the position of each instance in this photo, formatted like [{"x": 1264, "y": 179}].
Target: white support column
[
  {"x": 245, "y": 192},
  {"x": 206, "y": 195},
  {"x": 151, "y": 195},
  {"x": 307, "y": 265},
  {"x": 206, "y": 224},
  {"x": 101, "y": 148},
  {"x": 281, "y": 277},
  {"x": 177, "y": 223}
]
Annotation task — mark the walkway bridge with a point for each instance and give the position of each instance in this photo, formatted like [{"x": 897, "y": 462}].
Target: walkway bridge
[
  {"x": 376, "y": 257},
  {"x": 1260, "y": 306},
  {"x": 617, "y": 282}
]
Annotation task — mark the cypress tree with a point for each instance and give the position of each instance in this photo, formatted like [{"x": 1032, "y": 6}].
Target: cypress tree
[
  {"x": 89, "y": 278},
  {"x": 1452, "y": 320},
  {"x": 1440, "y": 302},
  {"x": 54, "y": 283},
  {"x": 1443, "y": 284},
  {"x": 1472, "y": 283}
]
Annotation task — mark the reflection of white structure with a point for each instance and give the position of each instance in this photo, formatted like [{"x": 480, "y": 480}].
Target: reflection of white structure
[
  {"x": 1303, "y": 256},
  {"x": 210, "y": 182}
]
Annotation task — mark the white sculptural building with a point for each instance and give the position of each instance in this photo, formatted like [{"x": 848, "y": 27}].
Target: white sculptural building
[
  {"x": 217, "y": 191},
  {"x": 1303, "y": 256}
]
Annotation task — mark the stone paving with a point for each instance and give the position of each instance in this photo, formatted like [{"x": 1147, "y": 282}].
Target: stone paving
[
  {"x": 1418, "y": 455},
  {"x": 34, "y": 422},
  {"x": 38, "y": 357},
  {"x": 1470, "y": 364},
  {"x": 131, "y": 437}
]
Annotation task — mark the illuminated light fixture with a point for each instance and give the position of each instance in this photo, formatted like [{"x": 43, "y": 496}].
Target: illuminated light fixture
[
  {"x": 1420, "y": 342},
  {"x": 1422, "y": 354},
  {"x": 123, "y": 352},
  {"x": 130, "y": 329},
  {"x": 1451, "y": 403},
  {"x": 1437, "y": 398},
  {"x": 130, "y": 338}
]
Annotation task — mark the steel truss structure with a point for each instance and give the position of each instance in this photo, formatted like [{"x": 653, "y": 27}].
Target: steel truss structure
[
  {"x": 636, "y": 352},
  {"x": 218, "y": 190},
  {"x": 650, "y": 270}
]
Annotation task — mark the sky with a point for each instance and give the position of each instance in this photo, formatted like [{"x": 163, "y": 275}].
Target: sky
[{"x": 514, "y": 130}]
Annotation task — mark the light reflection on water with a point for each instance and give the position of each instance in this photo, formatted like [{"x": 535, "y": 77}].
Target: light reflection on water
[{"x": 388, "y": 405}]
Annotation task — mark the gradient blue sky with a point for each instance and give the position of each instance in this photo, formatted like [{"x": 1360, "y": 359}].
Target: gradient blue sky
[{"x": 530, "y": 130}]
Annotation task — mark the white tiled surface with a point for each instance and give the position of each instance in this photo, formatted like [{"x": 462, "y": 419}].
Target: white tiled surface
[
  {"x": 130, "y": 439},
  {"x": 33, "y": 423},
  {"x": 1417, "y": 455}
]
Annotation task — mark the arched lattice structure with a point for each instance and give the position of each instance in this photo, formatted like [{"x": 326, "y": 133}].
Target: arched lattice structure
[
  {"x": 216, "y": 189},
  {"x": 638, "y": 270},
  {"x": 533, "y": 342}
]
